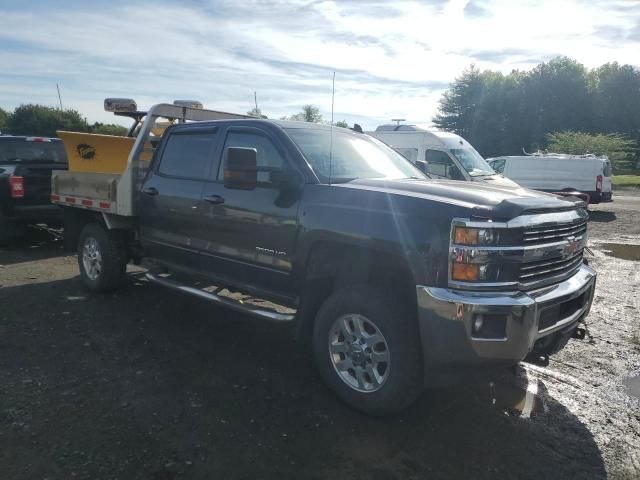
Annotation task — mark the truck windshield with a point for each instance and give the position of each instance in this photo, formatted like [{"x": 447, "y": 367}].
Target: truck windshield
[
  {"x": 352, "y": 156},
  {"x": 473, "y": 162},
  {"x": 27, "y": 151}
]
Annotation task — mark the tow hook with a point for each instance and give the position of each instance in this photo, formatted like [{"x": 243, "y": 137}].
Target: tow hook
[
  {"x": 539, "y": 359},
  {"x": 579, "y": 333}
]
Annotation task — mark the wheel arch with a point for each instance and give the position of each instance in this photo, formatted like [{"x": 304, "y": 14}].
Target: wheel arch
[{"x": 333, "y": 265}]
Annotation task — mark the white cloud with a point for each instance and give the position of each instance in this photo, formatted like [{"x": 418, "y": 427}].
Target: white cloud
[{"x": 392, "y": 59}]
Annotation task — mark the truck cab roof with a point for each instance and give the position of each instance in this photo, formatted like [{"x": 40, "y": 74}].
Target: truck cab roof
[{"x": 13, "y": 138}]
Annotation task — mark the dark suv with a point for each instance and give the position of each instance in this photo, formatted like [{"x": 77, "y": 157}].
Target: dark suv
[{"x": 25, "y": 182}]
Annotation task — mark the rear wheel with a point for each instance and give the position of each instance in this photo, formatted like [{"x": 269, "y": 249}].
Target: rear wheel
[
  {"x": 4, "y": 231},
  {"x": 10, "y": 231},
  {"x": 102, "y": 258},
  {"x": 367, "y": 350}
]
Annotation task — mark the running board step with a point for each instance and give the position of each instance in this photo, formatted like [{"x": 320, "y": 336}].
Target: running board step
[{"x": 239, "y": 305}]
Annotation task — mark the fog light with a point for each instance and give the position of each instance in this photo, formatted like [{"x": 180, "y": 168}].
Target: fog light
[{"x": 478, "y": 322}]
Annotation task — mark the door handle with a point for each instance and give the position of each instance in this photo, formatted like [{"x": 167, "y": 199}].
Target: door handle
[
  {"x": 215, "y": 199},
  {"x": 150, "y": 191}
]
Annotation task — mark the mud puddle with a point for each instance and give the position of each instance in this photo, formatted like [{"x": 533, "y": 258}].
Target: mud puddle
[
  {"x": 632, "y": 385},
  {"x": 625, "y": 251},
  {"x": 517, "y": 401}
]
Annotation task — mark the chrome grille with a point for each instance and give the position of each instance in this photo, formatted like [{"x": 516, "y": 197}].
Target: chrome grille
[
  {"x": 550, "y": 269},
  {"x": 549, "y": 234},
  {"x": 560, "y": 267}
]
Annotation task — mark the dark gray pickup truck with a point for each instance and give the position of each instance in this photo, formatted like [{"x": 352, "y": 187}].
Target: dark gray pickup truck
[
  {"x": 26, "y": 164},
  {"x": 395, "y": 281}
]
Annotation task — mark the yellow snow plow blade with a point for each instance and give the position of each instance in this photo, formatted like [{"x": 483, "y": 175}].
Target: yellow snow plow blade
[{"x": 94, "y": 153}]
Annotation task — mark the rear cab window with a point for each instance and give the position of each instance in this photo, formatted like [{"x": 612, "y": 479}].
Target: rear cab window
[
  {"x": 188, "y": 154},
  {"x": 22, "y": 150},
  {"x": 606, "y": 170}
]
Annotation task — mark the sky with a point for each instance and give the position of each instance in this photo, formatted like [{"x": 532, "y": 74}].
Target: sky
[{"x": 392, "y": 59}]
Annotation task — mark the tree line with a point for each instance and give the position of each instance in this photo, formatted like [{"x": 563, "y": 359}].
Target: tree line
[
  {"x": 44, "y": 121},
  {"x": 41, "y": 120},
  {"x": 559, "y": 104},
  {"x": 309, "y": 113}
]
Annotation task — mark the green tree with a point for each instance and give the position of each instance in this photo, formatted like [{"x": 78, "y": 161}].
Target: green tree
[
  {"x": 309, "y": 113},
  {"x": 458, "y": 105},
  {"x": 619, "y": 149},
  {"x": 502, "y": 114},
  {"x": 4, "y": 120},
  {"x": 342, "y": 124},
  {"x": 555, "y": 97},
  {"x": 616, "y": 96},
  {"x": 108, "y": 129},
  {"x": 255, "y": 112},
  {"x": 41, "y": 120}
]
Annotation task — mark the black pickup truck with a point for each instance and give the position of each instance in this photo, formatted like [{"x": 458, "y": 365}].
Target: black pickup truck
[
  {"x": 393, "y": 280},
  {"x": 26, "y": 164}
]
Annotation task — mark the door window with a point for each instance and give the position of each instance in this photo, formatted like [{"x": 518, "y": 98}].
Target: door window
[
  {"x": 268, "y": 157},
  {"x": 441, "y": 165},
  {"x": 498, "y": 164},
  {"x": 187, "y": 155}
]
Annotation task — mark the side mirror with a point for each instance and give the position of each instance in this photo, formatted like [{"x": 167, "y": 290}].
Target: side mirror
[
  {"x": 240, "y": 169},
  {"x": 455, "y": 173},
  {"x": 422, "y": 165}
]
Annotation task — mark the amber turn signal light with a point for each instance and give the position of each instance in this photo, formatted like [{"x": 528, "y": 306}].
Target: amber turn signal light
[
  {"x": 465, "y": 272},
  {"x": 466, "y": 236}
]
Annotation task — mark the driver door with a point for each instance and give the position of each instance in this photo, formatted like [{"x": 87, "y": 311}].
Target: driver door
[{"x": 250, "y": 234}]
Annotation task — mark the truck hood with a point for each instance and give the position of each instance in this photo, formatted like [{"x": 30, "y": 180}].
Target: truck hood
[
  {"x": 486, "y": 201},
  {"x": 497, "y": 180}
]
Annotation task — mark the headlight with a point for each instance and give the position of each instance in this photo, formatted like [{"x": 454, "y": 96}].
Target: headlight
[
  {"x": 474, "y": 272},
  {"x": 474, "y": 236},
  {"x": 471, "y": 260},
  {"x": 465, "y": 272}
]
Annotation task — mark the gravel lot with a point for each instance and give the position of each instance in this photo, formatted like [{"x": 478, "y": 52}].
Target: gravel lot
[{"x": 146, "y": 383}]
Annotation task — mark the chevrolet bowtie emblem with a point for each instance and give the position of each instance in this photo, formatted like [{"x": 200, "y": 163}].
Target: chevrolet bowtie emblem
[{"x": 572, "y": 246}]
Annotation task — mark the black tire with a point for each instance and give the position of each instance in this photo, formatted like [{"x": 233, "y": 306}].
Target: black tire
[
  {"x": 5, "y": 236},
  {"x": 10, "y": 231},
  {"x": 398, "y": 325},
  {"x": 111, "y": 247}
]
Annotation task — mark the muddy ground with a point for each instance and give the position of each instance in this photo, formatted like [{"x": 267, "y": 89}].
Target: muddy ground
[{"x": 148, "y": 384}]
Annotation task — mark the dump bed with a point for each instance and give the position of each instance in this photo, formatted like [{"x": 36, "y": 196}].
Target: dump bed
[{"x": 105, "y": 172}]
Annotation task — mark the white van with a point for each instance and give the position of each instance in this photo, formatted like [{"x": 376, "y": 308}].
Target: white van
[
  {"x": 440, "y": 154},
  {"x": 554, "y": 172}
]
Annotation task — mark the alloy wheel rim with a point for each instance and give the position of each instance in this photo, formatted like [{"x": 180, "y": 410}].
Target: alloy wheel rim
[
  {"x": 359, "y": 353},
  {"x": 91, "y": 258}
]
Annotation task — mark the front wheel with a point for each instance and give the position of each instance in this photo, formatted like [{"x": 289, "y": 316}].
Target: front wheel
[
  {"x": 102, "y": 258},
  {"x": 367, "y": 350}
]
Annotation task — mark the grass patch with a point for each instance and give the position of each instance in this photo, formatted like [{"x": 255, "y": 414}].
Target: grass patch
[{"x": 626, "y": 180}]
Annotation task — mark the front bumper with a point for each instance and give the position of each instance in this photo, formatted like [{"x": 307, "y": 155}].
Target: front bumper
[{"x": 517, "y": 320}]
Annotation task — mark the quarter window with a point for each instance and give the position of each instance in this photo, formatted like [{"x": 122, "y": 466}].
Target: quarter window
[{"x": 187, "y": 155}]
